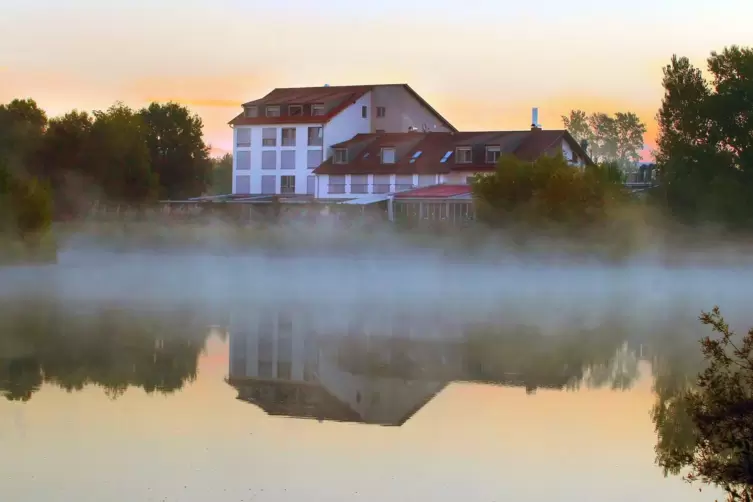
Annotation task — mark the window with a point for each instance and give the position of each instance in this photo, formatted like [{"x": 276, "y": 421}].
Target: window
[
  {"x": 381, "y": 183},
  {"x": 315, "y": 136},
  {"x": 446, "y": 156},
  {"x": 463, "y": 155},
  {"x": 403, "y": 182},
  {"x": 388, "y": 155},
  {"x": 243, "y": 184},
  {"x": 287, "y": 184},
  {"x": 381, "y": 111},
  {"x": 251, "y": 111},
  {"x": 269, "y": 136},
  {"x": 243, "y": 136},
  {"x": 243, "y": 160},
  {"x": 492, "y": 154},
  {"x": 287, "y": 159},
  {"x": 425, "y": 180},
  {"x": 336, "y": 184},
  {"x": 317, "y": 110},
  {"x": 415, "y": 156},
  {"x": 288, "y": 136},
  {"x": 295, "y": 110},
  {"x": 364, "y": 111},
  {"x": 310, "y": 185},
  {"x": 359, "y": 183},
  {"x": 341, "y": 156},
  {"x": 273, "y": 111},
  {"x": 269, "y": 159},
  {"x": 313, "y": 159},
  {"x": 268, "y": 182}
]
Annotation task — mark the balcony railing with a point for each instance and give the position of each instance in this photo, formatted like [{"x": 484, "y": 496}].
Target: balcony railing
[
  {"x": 359, "y": 188},
  {"x": 381, "y": 188},
  {"x": 336, "y": 188},
  {"x": 287, "y": 190},
  {"x": 243, "y": 144}
]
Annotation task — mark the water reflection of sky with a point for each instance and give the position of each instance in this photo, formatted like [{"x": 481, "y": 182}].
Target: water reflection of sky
[{"x": 128, "y": 397}]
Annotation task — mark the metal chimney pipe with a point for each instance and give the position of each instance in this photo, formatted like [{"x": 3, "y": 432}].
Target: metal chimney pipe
[{"x": 535, "y": 117}]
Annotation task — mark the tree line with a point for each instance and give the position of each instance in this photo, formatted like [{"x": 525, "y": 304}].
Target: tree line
[{"x": 60, "y": 166}]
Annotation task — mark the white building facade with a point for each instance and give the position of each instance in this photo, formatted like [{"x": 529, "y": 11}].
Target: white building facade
[{"x": 280, "y": 139}]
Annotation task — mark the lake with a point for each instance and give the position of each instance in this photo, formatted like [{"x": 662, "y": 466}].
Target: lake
[{"x": 156, "y": 377}]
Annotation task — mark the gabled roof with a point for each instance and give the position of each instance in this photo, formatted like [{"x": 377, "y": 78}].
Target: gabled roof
[
  {"x": 334, "y": 99},
  {"x": 364, "y": 151}
]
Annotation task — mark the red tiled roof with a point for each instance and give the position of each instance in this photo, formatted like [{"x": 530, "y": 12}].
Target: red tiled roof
[
  {"x": 435, "y": 192},
  {"x": 364, "y": 151},
  {"x": 335, "y": 99}
]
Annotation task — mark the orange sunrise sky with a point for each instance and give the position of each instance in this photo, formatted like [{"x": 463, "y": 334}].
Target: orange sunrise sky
[{"x": 482, "y": 64}]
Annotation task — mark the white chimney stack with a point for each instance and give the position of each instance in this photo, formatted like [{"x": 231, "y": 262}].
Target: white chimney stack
[{"x": 535, "y": 118}]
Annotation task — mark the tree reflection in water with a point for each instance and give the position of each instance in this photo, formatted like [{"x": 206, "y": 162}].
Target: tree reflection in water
[{"x": 114, "y": 347}]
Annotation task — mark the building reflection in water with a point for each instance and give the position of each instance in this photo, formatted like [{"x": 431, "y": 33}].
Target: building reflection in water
[{"x": 382, "y": 369}]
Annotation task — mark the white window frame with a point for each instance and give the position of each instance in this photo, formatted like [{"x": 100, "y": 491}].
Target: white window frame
[
  {"x": 317, "y": 110},
  {"x": 287, "y": 177},
  {"x": 344, "y": 159},
  {"x": 394, "y": 154},
  {"x": 320, "y": 136},
  {"x": 462, "y": 160},
  {"x": 272, "y": 111},
  {"x": 251, "y": 112},
  {"x": 493, "y": 149},
  {"x": 381, "y": 111}
]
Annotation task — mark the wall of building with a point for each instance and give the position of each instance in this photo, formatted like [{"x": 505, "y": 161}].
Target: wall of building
[
  {"x": 301, "y": 149},
  {"x": 402, "y": 111}
]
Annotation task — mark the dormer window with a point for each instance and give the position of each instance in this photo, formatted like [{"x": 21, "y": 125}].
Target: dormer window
[
  {"x": 317, "y": 110},
  {"x": 492, "y": 154},
  {"x": 251, "y": 111},
  {"x": 388, "y": 155},
  {"x": 340, "y": 156},
  {"x": 463, "y": 155},
  {"x": 295, "y": 110},
  {"x": 273, "y": 111}
]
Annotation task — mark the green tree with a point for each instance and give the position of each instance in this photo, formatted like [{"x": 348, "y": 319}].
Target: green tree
[
  {"x": 617, "y": 138},
  {"x": 222, "y": 175},
  {"x": 116, "y": 156},
  {"x": 545, "y": 192},
  {"x": 177, "y": 151},
  {"x": 707, "y": 428},
  {"x": 705, "y": 154},
  {"x": 22, "y": 125}
]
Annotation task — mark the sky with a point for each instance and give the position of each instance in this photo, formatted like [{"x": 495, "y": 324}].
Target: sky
[{"x": 482, "y": 64}]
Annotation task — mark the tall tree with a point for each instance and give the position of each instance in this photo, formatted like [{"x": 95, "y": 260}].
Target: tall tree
[
  {"x": 705, "y": 155},
  {"x": 222, "y": 175},
  {"x": 117, "y": 157},
  {"x": 22, "y": 125},
  {"x": 177, "y": 151},
  {"x": 617, "y": 138}
]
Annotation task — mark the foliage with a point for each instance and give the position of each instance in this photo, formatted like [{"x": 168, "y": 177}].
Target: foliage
[
  {"x": 705, "y": 155},
  {"x": 544, "y": 192},
  {"x": 177, "y": 151},
  {"x": 25, "y": 204},
  {"x": 222, "y": 175},
  {"x": 709, "y": 428},
  {"x": 617, "y": 139},
  {"x": 119, "y": 155}
]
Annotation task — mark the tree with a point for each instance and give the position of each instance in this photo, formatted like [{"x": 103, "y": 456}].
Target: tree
[
  {"x": 610, "y": 139},
  {"x": 705, "y": 154},
  {"x": 222, "y": 175},
  {"x": 714, "y": 418},
  {"x": 546, "y": 192},
  {"x": 177, "y": 151},
  {"x": 116, "y": 156}
]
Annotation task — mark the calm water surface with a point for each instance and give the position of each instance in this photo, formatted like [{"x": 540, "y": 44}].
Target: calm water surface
[{"x": 138, "y": 377}]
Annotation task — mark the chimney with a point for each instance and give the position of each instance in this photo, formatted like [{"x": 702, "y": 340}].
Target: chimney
[{"x": 535, "y": 119}]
